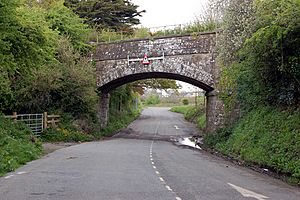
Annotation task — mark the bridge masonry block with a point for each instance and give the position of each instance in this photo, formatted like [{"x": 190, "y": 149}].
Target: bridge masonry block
[
  {"x": 214, "y": 112},
  {"x": 104, "y": 109}
]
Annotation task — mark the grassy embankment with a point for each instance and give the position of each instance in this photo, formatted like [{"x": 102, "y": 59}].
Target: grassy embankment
[
  {"x": 267, "y": 137},
  {"x": 17, "y": 146}
]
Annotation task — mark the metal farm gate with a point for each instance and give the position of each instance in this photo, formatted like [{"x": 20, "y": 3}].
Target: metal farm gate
[{"x": 33, "y": 121}]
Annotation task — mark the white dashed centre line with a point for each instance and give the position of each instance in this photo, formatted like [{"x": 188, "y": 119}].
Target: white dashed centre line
[
  {"x": 176, "y": 127},
  {"x": 157, "y": 172},
  {"x": 168, "y": 188}
]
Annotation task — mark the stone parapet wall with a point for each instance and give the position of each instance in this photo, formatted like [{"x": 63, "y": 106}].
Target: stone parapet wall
[{"x": 181, "y": 45}]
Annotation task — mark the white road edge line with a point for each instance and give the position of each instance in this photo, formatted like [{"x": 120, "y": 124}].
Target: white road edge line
[
  {"x": 248, "y": 193},
  {"x": 9, "y": 176},
  {"x": 19, "y": 173},
  {"x": 161, "y": 179},
  {"x": 178, "y": 198}
]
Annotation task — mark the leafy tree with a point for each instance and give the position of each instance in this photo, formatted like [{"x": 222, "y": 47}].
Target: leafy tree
[
  {"x": 77, "y": 94},
  {"x": 8, "y": 29},
  {"x": 112, "y": 14},
  {"x": 235, "y": 18},
  {"x": 259, "y": 52},
  {"x": 271, "y": 55},
  {"x": 34, "y": 49},
  {"x": 68, "y": 24},
  {"x": 39, "y": 67},
  {"x": 185, "y": 101},
  {"x": 39, "y": 90},
  {"x": 158, "y": 83},
  {"x": 26, "y": 44}
]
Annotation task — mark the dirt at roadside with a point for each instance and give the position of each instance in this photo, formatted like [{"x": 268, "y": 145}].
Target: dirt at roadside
[{"x": 50, "y": 147}]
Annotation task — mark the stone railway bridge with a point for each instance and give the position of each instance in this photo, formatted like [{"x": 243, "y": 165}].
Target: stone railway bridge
[{"x": 188, "y": 58}]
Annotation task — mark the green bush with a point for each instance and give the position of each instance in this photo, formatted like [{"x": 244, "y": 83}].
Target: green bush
[
  {"x": 185, "y": 101},
  {"x": 17, "y": 146}
]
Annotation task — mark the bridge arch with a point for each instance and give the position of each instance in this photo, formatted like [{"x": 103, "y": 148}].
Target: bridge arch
[
  {"x": 108, "y": 87},
  {"x": 188, "y": 58}
]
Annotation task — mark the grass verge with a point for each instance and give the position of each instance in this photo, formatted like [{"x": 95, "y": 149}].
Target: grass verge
[
  {"x": 118, "y": 121},
  {"x": 68, "y": 132},
  {"x": 193, "y": 114}
]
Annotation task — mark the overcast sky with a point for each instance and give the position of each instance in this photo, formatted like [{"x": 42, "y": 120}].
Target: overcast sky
[{"x": 169, "y": 12}]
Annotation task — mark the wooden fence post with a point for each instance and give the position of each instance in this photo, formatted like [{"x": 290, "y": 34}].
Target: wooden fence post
[
  {"x": 14, "y": 116},
  {"x": 45, "y": 116}
]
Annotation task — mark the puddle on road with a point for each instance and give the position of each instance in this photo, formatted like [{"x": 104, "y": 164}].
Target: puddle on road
[{"x": 190, "y": 142}]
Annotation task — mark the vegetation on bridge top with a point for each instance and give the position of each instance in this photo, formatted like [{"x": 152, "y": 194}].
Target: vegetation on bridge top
[{"x": 108, "y": 35}]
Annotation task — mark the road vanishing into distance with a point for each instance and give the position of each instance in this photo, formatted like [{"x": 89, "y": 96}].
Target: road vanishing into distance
[{"x": 141, "y": 163}]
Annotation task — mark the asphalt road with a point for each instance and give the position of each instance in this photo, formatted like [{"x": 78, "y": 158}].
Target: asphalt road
[{"x": 144, "y": 167}]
